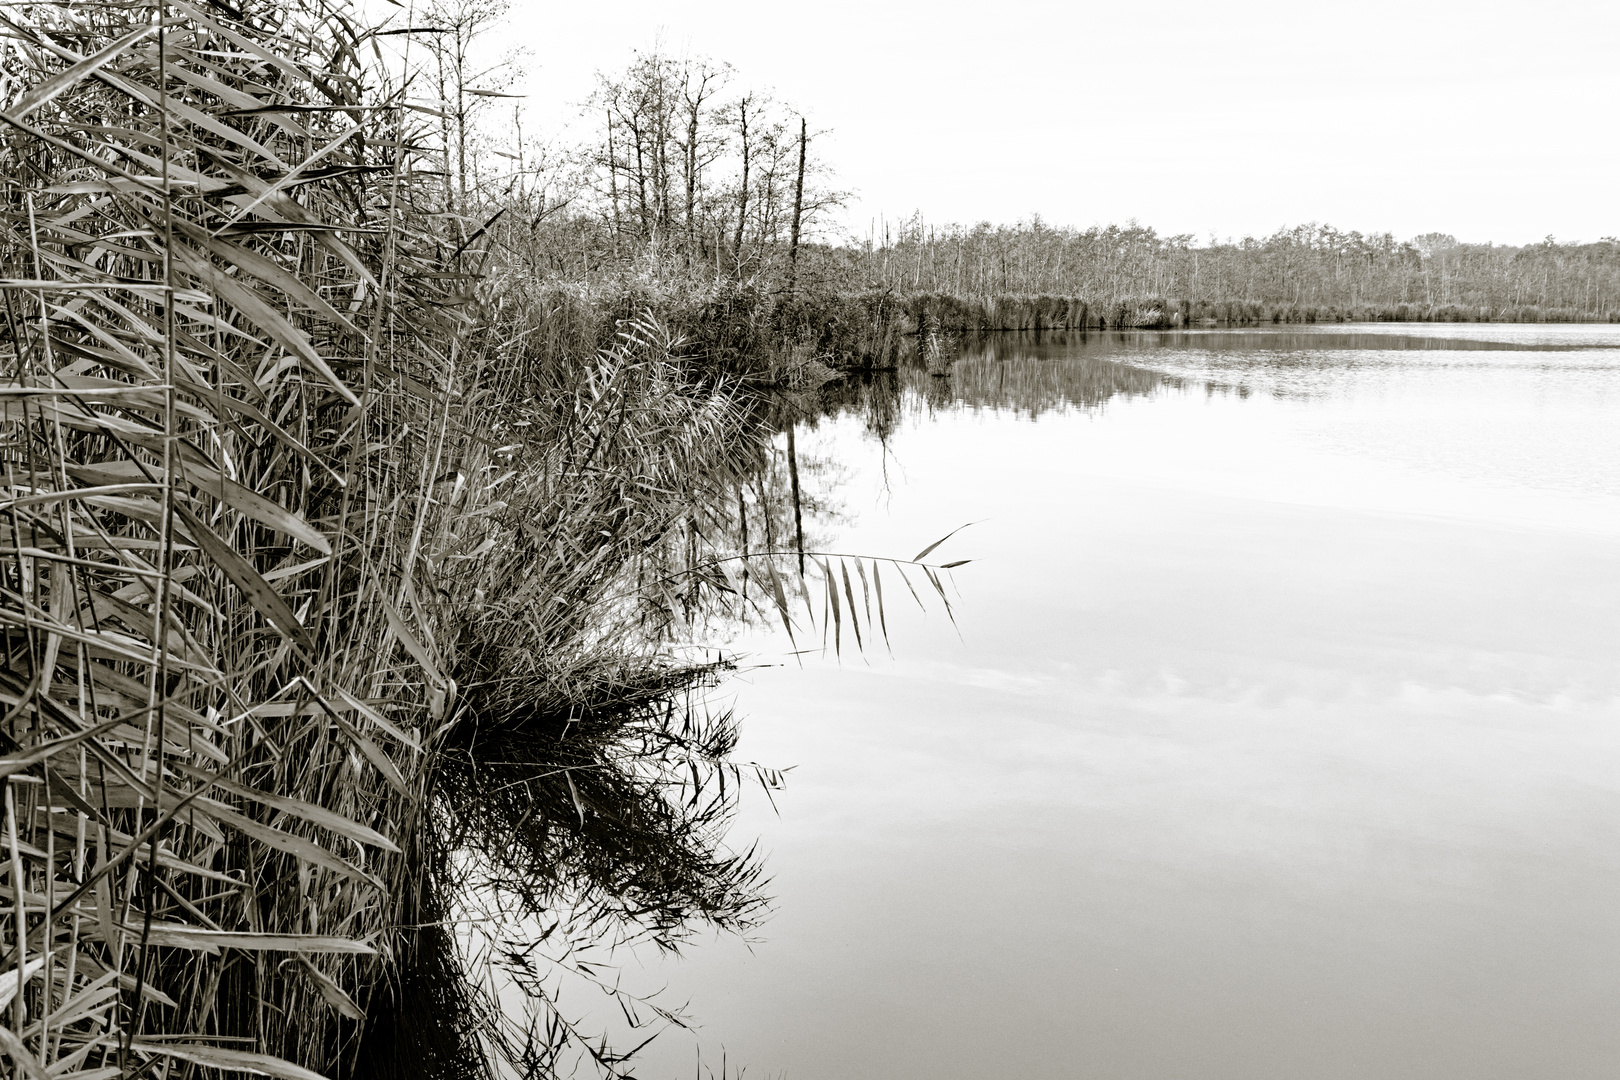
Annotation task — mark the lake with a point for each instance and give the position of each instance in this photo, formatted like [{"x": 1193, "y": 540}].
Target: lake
[{"x": 1277, "y": 734}]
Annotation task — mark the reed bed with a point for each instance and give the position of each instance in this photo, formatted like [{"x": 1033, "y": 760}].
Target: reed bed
[
  {"x": 978, "y": 314},
  {"x": 340, "y": 567},
  {"x": 239, "y": 369}
]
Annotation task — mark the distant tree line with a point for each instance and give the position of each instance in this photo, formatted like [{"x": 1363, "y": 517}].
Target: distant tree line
[{"x": 1306, "y": 266}]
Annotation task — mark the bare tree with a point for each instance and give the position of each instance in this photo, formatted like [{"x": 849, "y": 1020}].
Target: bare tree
[
  {"x": 742, "y": 188},
  {"x": 641, "y": 109},
  {"x": 798, "y": 208},
  {"x": 687, "y": 163},
  {"x": 465, "y": 92},
  {"x": 705, "y": 137}
]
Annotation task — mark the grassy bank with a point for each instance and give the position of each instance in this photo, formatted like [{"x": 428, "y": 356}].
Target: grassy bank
[{"x": 751, "y": 333}]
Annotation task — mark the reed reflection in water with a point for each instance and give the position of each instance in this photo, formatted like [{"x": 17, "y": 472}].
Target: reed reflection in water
[{"x": 1282, "y": 739}]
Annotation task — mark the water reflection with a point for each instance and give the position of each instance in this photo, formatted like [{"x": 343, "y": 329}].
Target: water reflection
[
  {"x": 1031, "y": 373},
  {"x": 1297, "y": 339},
  {"x": 1028, "y": 374},
  {"x": 1280, "y": 740}
]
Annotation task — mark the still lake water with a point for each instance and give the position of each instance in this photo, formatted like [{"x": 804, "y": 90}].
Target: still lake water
[{"x": 1280, "y": 739}]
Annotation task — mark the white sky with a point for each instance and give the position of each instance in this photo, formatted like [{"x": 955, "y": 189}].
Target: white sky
[{"x": 1493, "y": 121}]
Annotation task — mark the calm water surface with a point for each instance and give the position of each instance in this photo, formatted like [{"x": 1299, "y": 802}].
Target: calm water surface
[{"x": 1281, "y": 738}]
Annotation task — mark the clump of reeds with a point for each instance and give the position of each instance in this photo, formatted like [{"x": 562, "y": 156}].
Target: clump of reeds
[
  {"x": 936, "y": 345},
  {"x": 237, "y": 372}
]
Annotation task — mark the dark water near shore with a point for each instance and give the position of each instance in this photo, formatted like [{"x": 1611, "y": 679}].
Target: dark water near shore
[{"x": 1281, "y": 738}]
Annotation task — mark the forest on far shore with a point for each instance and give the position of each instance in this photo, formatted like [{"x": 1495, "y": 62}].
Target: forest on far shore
[{"x": 1305, "y": 266}]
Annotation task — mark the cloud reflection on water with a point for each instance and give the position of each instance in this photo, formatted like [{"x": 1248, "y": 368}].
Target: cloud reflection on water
[{"x": 1276, "y": 743}]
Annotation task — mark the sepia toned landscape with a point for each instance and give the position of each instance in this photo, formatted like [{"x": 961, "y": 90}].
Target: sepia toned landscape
[{"x": 484, "y": 601}]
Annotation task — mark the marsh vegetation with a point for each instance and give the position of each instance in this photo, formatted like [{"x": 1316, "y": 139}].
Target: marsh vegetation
[{"x": 340, "y": 570}]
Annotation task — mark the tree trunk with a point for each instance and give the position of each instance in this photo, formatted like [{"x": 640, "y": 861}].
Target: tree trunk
[
  {"x": 641, "y": 188},
  {"x": 444, "y": 127},
  {"x": 661, "y": 159},
  {"x": 742, "y": 197},
  {"x": 613, "y": 177},
  {"x": 461, "y": 120},
  {"x": 798, "y": 212},
  {"x": 691, "y": 182}
]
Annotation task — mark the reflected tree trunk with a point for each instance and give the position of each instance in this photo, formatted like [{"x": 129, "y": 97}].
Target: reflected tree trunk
[{"x": 798, "y": 512}]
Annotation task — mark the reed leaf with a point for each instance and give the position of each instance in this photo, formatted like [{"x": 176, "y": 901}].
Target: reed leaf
[{"x": 216, "y": 1057}]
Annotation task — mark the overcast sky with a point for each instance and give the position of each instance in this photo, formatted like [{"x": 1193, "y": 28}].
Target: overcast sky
[{"x": 1491, "y": 121}]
